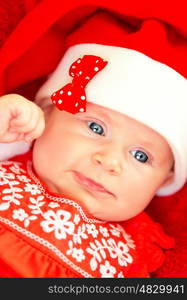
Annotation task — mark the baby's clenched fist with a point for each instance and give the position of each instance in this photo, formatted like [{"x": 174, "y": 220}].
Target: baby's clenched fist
[{"x": 20, "y": 119}]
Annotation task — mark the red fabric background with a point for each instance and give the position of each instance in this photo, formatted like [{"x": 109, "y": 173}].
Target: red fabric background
[{"x": 33, "y": 36}]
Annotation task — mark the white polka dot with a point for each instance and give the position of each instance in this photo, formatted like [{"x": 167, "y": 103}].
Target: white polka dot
[
  {"x": 78, "y": 61},
  {"x": 54, "y": 94},
  {"x": 83, "y": 97},
  {"x": 97, "y": 61},
  {"x": 80, "y": 72},
  {"x": 54, "y": 101},
  {"x": 76, "y": 104},
  {"x": 87, "y": 77},
  {"x": 73, "y": 67},
  {"x": 81, "y": 109},
  {"x": 96, "y": 69},
  {"x": 60, "y": 101},
  {"x": 61, "y": 92},
  {"x": 69, "y": 93},
  {"x": 72, "y": 74}
]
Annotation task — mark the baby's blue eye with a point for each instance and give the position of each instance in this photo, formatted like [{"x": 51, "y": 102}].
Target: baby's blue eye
[
  {"x": 140, "y": 155},
  {"x": 95, "y": 127}
]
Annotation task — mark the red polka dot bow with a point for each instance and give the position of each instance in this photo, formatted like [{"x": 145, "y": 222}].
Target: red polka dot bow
[{"x": 72, "y": 97}]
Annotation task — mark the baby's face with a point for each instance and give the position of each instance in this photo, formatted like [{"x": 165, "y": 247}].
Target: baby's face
[{"x": 110, "y": 163}]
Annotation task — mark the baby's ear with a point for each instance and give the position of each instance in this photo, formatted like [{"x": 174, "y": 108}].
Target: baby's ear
[{"x": 168, "y": 179}]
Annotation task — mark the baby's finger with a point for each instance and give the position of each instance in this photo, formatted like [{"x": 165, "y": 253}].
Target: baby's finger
[
  {"x": 22, "y": 117},
  {"x": 22, "y": 127},
  {"x": 20, "y": 137},
  {"x": 9, "y": 138},
  {"x": 37, "y": 132},
  {"x": 4, "y": 124}
]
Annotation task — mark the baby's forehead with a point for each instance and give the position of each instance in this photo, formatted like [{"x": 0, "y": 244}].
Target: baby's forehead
[{"x": 112, "y": 117}]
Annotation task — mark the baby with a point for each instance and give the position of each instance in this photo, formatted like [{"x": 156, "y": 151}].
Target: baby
[
  {"x": 112, "y": 164},
  {"x": 100, "y": 155}
]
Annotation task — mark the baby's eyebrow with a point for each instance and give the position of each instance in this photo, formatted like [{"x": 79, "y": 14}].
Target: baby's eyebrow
[
  {"x": 150, "y": 146},
  {"x": 147, "y": 143},
  {"x": 100, "y": 113}
]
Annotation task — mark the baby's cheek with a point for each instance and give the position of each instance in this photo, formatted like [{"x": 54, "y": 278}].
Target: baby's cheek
[{"x": 135, "y": 197}]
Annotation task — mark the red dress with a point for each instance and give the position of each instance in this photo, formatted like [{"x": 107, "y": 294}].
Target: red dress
[{"x": 43, "y": 234}]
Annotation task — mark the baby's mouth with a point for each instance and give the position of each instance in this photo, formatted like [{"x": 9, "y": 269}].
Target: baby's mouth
[{"x": 90, "y": 184}]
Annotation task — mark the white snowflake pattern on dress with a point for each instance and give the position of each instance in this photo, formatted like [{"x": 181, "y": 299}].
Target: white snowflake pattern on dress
[
  {"x": 120, "y": 251},
  {"x": 22, "y": 216},
  {"x": 76, "y": 219},
  {"x": 78, "y": 254},
  {"x": 106, "y": 270},
  {"x": 23, "y": 178},
  {"x": 4, "y": 176},
  {"x": 36, "y": 204},
  {"x": 16, "y": 169},
  {"x": 53, "y": 205},
  {"x": 32, "y": 188},
  {"x": 19, "y": 214},
  {"x": 104, "y": 231},
  {"x": 115, "y": 230},
  {"x": 80, "y": 234},
  {"x": 91, "y": 228},
  {"x": 58, "y": 222},
  {"x": 120, "y": 275},
  {"x": 128, "y": 238}
]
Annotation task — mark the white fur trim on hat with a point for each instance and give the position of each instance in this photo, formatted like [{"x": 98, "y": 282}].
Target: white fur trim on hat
[
  {"x": 8, "y": 150},
  {"x": 140, "y": 87}
]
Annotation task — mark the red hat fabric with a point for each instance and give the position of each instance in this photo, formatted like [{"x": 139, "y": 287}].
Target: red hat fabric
[
  {"x": 35, "y": 46},
  {"x": 151, "y": 37}
]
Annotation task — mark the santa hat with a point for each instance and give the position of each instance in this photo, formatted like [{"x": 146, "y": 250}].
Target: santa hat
[{"x": 144, "y": 78}]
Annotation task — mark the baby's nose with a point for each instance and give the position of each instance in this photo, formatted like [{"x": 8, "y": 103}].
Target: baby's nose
[{"x": 110, "y": 161}]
